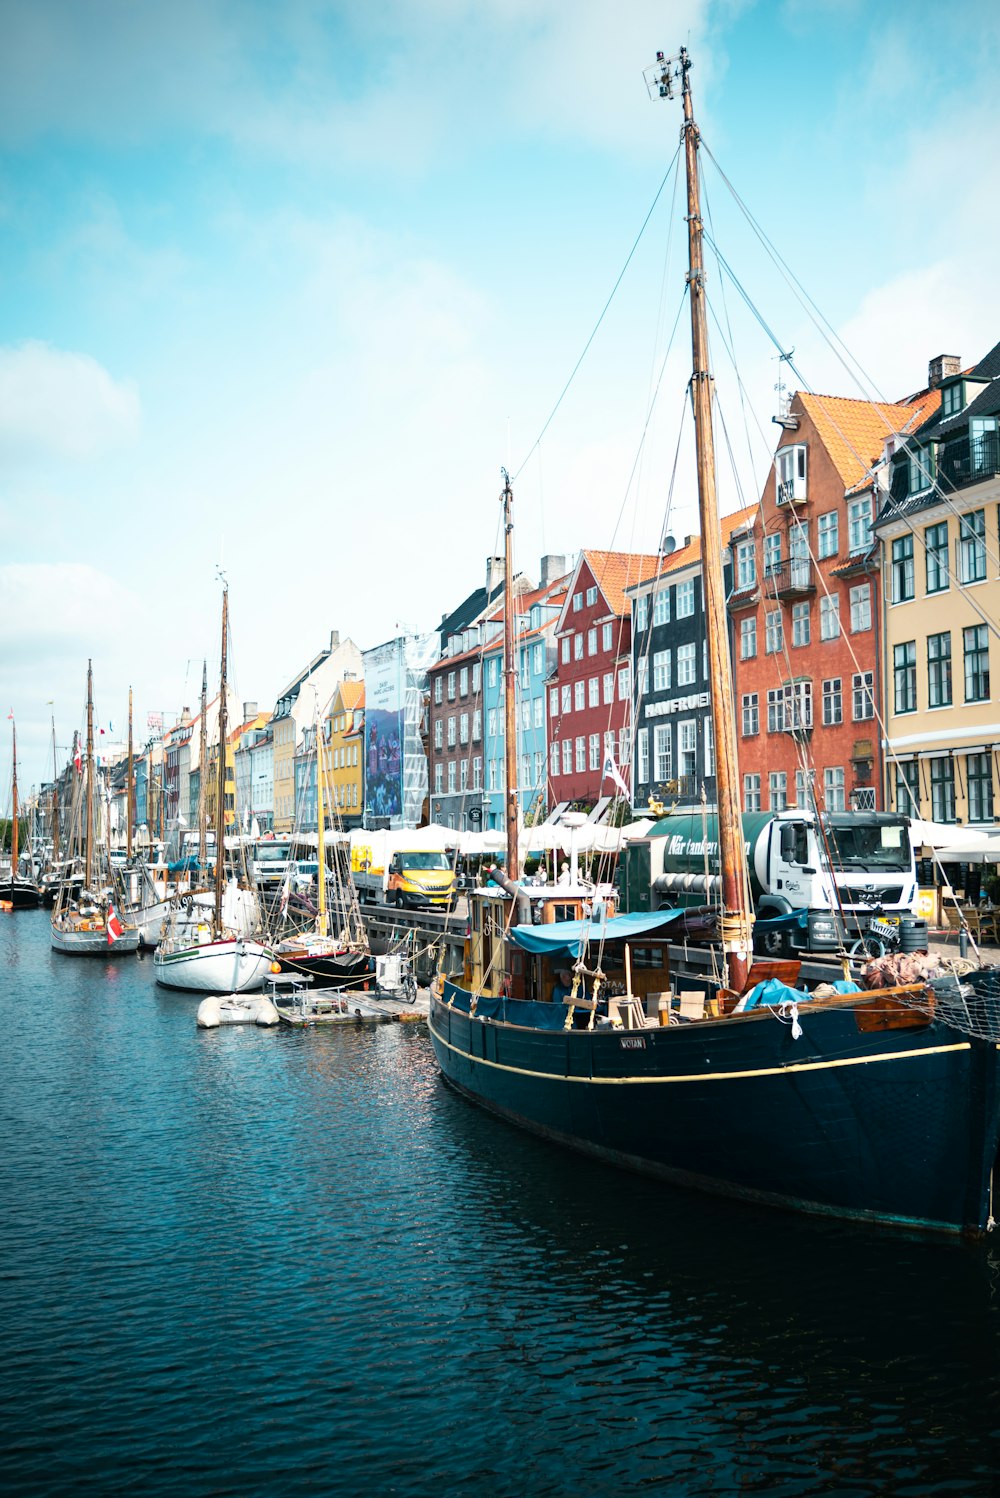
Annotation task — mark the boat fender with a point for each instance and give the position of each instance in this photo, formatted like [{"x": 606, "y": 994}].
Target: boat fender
[
  {"x": 209, "y": 1016},
  {"x": 265, "y": 1013}
]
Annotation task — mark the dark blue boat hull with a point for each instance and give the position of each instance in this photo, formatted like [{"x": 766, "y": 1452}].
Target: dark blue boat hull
[{"x": 897, "y": 1126}]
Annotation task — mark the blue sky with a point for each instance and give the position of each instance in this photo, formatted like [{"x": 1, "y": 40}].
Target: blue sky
[{"x": 283, "y": 287}]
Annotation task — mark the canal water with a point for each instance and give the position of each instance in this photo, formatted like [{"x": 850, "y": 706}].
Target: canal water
[{"x": 292, "y": 1262}]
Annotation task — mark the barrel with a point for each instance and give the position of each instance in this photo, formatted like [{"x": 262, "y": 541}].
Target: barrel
[{"x": 912, "y": 935}]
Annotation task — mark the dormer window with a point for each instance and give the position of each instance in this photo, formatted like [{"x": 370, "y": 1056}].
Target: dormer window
[
  {"x": 952, "y": 398},
  {"x": 790, "y": 473},
  {"x": 921, "y": 473}
]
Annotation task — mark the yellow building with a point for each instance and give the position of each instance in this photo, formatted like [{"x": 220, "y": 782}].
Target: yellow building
[
  {"x": 941, "y": 589},
  {"x": 302, "y": 704},
  {"x": 344, "y": 754}
]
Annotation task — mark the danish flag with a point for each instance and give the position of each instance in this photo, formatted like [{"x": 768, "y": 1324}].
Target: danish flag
[{"x": 114, "y": 926}]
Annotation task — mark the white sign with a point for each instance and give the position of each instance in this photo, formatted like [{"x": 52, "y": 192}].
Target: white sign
[{"x": 677, "y": 705}]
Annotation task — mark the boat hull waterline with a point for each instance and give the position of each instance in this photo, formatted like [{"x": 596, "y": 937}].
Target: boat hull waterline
[
  {"x": 896, "y": 1127},
  {"x": 225, "y": 966}
]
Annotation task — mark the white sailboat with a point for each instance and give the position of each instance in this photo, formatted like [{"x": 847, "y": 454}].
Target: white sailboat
[{"x": 210, "y": 955}]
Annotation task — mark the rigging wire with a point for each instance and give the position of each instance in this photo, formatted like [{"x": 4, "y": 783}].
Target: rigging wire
[{"x": 604, "y": 310}]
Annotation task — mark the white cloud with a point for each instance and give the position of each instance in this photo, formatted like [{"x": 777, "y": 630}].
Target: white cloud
[{"x": 53, "y": 402}]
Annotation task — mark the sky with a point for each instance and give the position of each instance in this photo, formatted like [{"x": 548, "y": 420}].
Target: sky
[{"x": 284, "y": 287}]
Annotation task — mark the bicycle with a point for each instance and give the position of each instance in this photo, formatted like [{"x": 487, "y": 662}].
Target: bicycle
[{"x": 882, "y": 936}]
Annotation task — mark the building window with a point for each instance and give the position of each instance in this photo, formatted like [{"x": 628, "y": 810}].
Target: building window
[
  {"x": 642, "y": 756},
  {"x": 751, "y": 714},
  {"x": 554, "y": 702},
  {"x": 594, "y": 692},
  {"x": 777, "y": 790},
  {"x": 829, "y": 616},
  {"x": 661, "y": 606},
  {"x": 951, "y": 399},
  {"x": 661, "y": 670},
  {"x": 592, "y": 641},
  {"x": 566, "y": 647},
  {"x": 567, "y": 756},
  {"x": 828, "y": 531},
  {"x": 775, "y": 710},
  {"x": 554, "y": 757},
  {"x": 772, "y": 554},
  {"x": 609, "y": 687},
  {"x": 861, "y": 608},
  {"x": 451, "y": 733},
  {"x": 902, "y": 569},
  {"x": 463, "y": 682},
  {"x": 578, "y": 647},
  {"x": 805, "y": 789},
  {"x": 908, "y": 787},
  {"x": 641, "y": 612},
  {"x": 581, "y": 755},
  {"x": 477, "y": 720},
  {"x": 687, "y": 669},
  {"x": 746, "y": 565},
  {"x": 979, "y": 774},
  {"x": 976, "y": 649},
  {"x": 920, "y": 474},
  {"x": 606, "y": 636},
  {"x": 641, "y": 678},
  {"x": 685, "y": 599},
  {"x": 939, "y": 670},
  {"x": 773, "y": 638},
  {"x": 577, "y": 602},
  {"x": 833, "y": 701},
  {"x": 451, "y": 777},
  {"x": 936, "y": 557},
  {"x": 833, "y": 788},
  {"x": 624, "y": 684},
  {"x": 790, "y": 473},
  {"x": 591, "y": 597},
  {"x": 904, "y": 668},
  {"x": 748, "y": 638},
  {"x": 439, "y": 778},
  {"x": 438, "y": 689},
  {"x": 463, "y": 775},
  {"x": 463, "y": 728},
  {"x": 579, "y": 693},
  {"x": 567, "y": 697},
  {"x": 451, "y": 686},
  {"x": 662, "y": 753},
  {"x": 438, "y": 733},
  {"x": 800, "y": 624},
  {"x": 594, "y": 746},
  {"x": 972, "y": 547},
  {"x": 798, "y": 710},
  {"x": 859, "y": 524},
  {"x": 751, "y": 793},
  {"x": 862, "y": 692},
  {"x": 477, "y": 774},
  {"x": 942, "y": 789},
  {"x": 687, "y": 751},
  {"x": 492, "y": 668}
]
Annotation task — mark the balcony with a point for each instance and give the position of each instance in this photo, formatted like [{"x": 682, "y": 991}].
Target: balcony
[
  {"x": 966, "y": 461},
  {"x": 786, "y": 494},
  {"x": 790, "y": 579}
]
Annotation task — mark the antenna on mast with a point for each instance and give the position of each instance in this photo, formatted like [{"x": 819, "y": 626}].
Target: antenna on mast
[{"x": 661, "y": 75}]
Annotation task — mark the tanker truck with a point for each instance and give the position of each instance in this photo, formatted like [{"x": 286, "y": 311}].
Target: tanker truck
[{"x": 806, "y": 872}]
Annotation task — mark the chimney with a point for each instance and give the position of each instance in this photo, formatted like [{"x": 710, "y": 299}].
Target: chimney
[
  {"x": 552, "y": 566},
  {"x": 941, "y": 367},
  {"x": 249, "y": 711},
  {"x": 494, "y": 574},
  {"x": 334, "y": 640}
]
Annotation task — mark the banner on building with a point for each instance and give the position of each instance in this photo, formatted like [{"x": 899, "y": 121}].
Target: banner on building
[{"x": 395, "y": 762}]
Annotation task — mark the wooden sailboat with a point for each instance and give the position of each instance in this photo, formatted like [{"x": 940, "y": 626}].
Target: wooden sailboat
[
  {"x": 91, "y": 920},
  {"x": 315, "y": 951},
  {"x": 202, "y": 950},
  {"x": 880, "y": 1106},
  {"x": 17, "y": 890}
]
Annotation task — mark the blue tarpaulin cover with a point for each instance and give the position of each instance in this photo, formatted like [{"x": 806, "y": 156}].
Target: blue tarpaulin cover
[
  {"x": 784, "y": 922},
  {"x": 510, "y": 1011},
  {"x": 571, "y": 936}
]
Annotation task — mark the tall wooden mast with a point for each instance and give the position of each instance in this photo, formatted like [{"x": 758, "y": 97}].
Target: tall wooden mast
[
  {"x": 202, "y": 772},
  {"x": 130, "y": 795},
  {"x": 220, "y": 815},
  {"x": 88, "y": 857},
  {"x": 510, "y": 678},
  {"x": 55, "y": 795},
  {"x": 14, "y": 848},
  {"x": 321, "y": 920},
  {"x": 737, "y": 939}
]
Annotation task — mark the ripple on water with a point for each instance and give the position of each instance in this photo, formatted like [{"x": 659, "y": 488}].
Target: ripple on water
[{"x": 245, "y": 1262}]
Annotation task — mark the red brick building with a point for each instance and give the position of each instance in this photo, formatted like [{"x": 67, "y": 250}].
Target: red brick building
[
  {"x": 806, "y": 611},
  {"x": 590, "y": 692}
]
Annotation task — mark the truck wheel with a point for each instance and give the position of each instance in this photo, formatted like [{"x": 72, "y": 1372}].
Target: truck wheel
[{"x": 774, "y": 944}]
